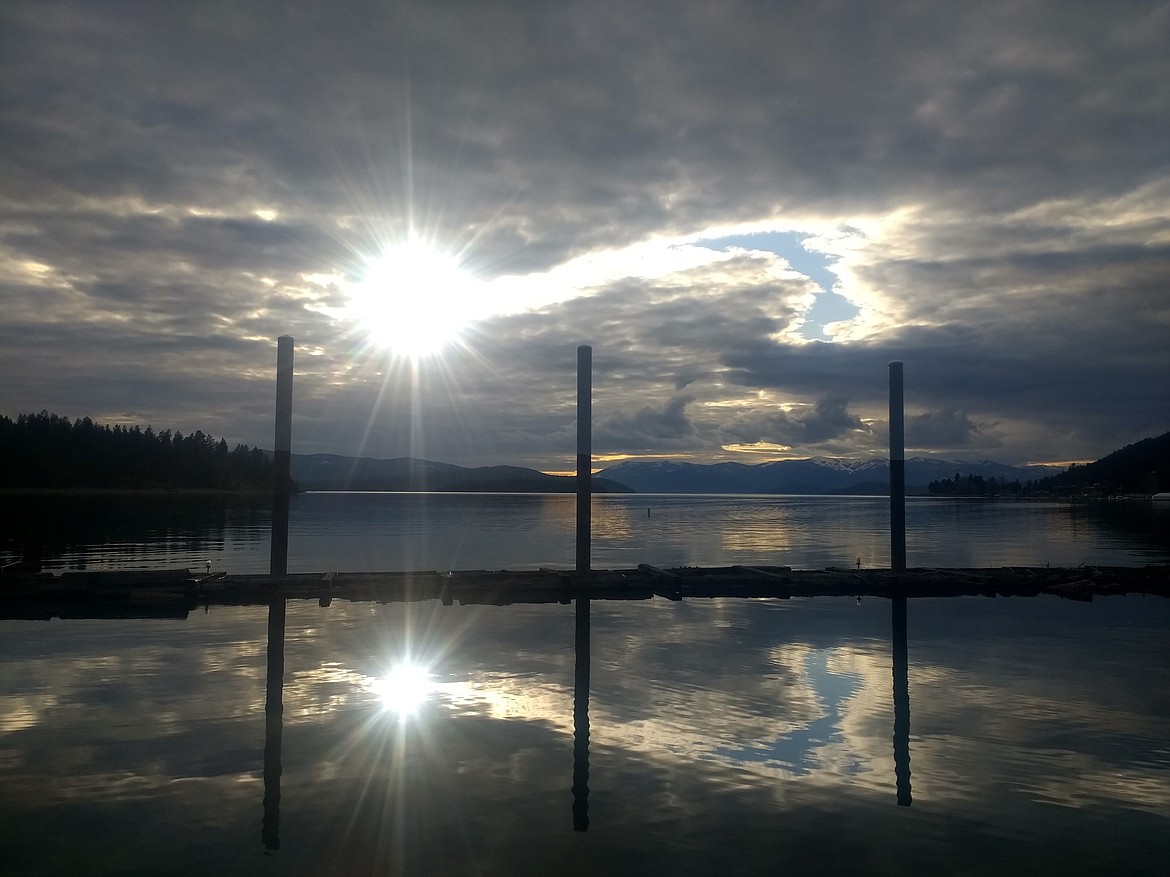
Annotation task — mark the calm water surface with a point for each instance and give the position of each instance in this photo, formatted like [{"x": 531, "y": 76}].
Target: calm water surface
[
  {"x": 388, "y": 531},
  {"x": 652, "y": 737}
]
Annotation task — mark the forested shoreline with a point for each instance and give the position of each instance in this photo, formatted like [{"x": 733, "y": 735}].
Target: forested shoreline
[
  {"x": 45, "y": 451},
  {"x": 1140, "y": 468}
]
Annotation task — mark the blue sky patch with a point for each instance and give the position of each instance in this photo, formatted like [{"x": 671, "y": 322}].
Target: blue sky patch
[{"x": 829, "y": 306}]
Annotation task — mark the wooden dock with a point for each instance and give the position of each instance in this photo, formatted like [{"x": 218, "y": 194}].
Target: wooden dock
[{"x": 173, "y": 593}]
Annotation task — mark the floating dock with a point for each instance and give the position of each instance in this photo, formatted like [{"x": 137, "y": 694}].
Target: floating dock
[{"x": 173, "y": 593}]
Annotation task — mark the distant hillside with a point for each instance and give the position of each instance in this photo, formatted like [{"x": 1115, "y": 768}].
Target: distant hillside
[
  {"x": 818, "y": 475},
  {"x": 333, "y": 472},
  {"x": 1143, "y": 467}
]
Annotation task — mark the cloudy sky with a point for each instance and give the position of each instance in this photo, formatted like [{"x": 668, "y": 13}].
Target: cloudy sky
[{"x": 747, "y": 208}]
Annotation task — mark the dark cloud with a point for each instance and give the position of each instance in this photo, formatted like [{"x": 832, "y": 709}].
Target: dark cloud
[
  {"x": 949, "y": 428},
  {"x": 826, "y": 419},
  {"x": 647, "y": 429}
]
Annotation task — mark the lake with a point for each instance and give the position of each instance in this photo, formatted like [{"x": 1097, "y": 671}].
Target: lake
[
  {"x": 442, "y": 531},
  {"x": 965, "y": 736}
]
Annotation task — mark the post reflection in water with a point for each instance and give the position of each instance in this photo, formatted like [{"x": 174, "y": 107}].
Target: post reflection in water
[
  {"x": 273, "y": 724},
  {"x": 901, "y": 702},
  {"x": 581, "y": 718}
]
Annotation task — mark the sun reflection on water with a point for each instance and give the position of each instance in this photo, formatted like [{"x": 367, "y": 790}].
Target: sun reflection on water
[{"x": 404, "y": 689}]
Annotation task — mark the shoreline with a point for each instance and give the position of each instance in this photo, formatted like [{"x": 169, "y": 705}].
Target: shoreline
[{"x": 132, "y": 491}]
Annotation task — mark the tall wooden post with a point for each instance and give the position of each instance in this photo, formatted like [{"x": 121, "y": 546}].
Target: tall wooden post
[
  {"x": 584, "y": 455},
  {"x": 278, "y": 563},
  {"x": 897, "y": 471}
]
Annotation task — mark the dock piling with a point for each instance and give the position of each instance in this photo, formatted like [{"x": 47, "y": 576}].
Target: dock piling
[
  {"x": 282, "y": 454},
  {"x": 584, "y": 455},
  {"x": 897, "y": 472}
]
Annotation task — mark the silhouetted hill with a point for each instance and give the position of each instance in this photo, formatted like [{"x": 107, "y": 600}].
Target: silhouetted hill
[
  {"x": 1143, "y": 467},
  {"x": 333, "y": 472}
]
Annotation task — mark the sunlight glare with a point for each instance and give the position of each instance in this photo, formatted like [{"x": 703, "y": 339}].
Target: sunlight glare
[
  {"x": 413, "y": 300},
  {"x": 405, "y": 689}
]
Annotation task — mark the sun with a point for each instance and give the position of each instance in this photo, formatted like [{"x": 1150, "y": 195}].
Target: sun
[{"x": 413, "y": 300}]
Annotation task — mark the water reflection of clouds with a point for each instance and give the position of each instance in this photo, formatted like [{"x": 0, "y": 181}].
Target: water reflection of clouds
[
  {"x": 799, "y": 747},
  {"x": 506, "y": 696},
  {"x": 824, "y": 728},
  {"x": 333, "y": 687},
  {"x": 997, "y": 736},
  {"x": 159, "y": 670},
  {"x": 695, "y": 707},
  {"x": 977, "y": 742},
  {"x": 20, "y": 711}
]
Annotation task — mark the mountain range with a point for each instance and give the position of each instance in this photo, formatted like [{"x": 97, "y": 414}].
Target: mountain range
[
  {"x": 333, "y": 472},
  {"x": 818, "y": 475}
]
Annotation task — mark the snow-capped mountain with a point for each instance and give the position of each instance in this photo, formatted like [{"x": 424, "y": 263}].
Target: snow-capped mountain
[{"x": 817, "y": 475}]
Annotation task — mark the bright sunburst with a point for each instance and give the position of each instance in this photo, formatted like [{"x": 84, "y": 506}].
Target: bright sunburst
[
  {"x": 413, "y": 300},
  {"x": 405, "y": 689}
]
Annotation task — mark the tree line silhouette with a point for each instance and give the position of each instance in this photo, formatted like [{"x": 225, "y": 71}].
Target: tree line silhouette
[
  {"x": 1140, "y": 468},
  {"x": 1143, "y": 467},
  {"x": 44, "y": 450},
  {"x": 976, "y": 485}
]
